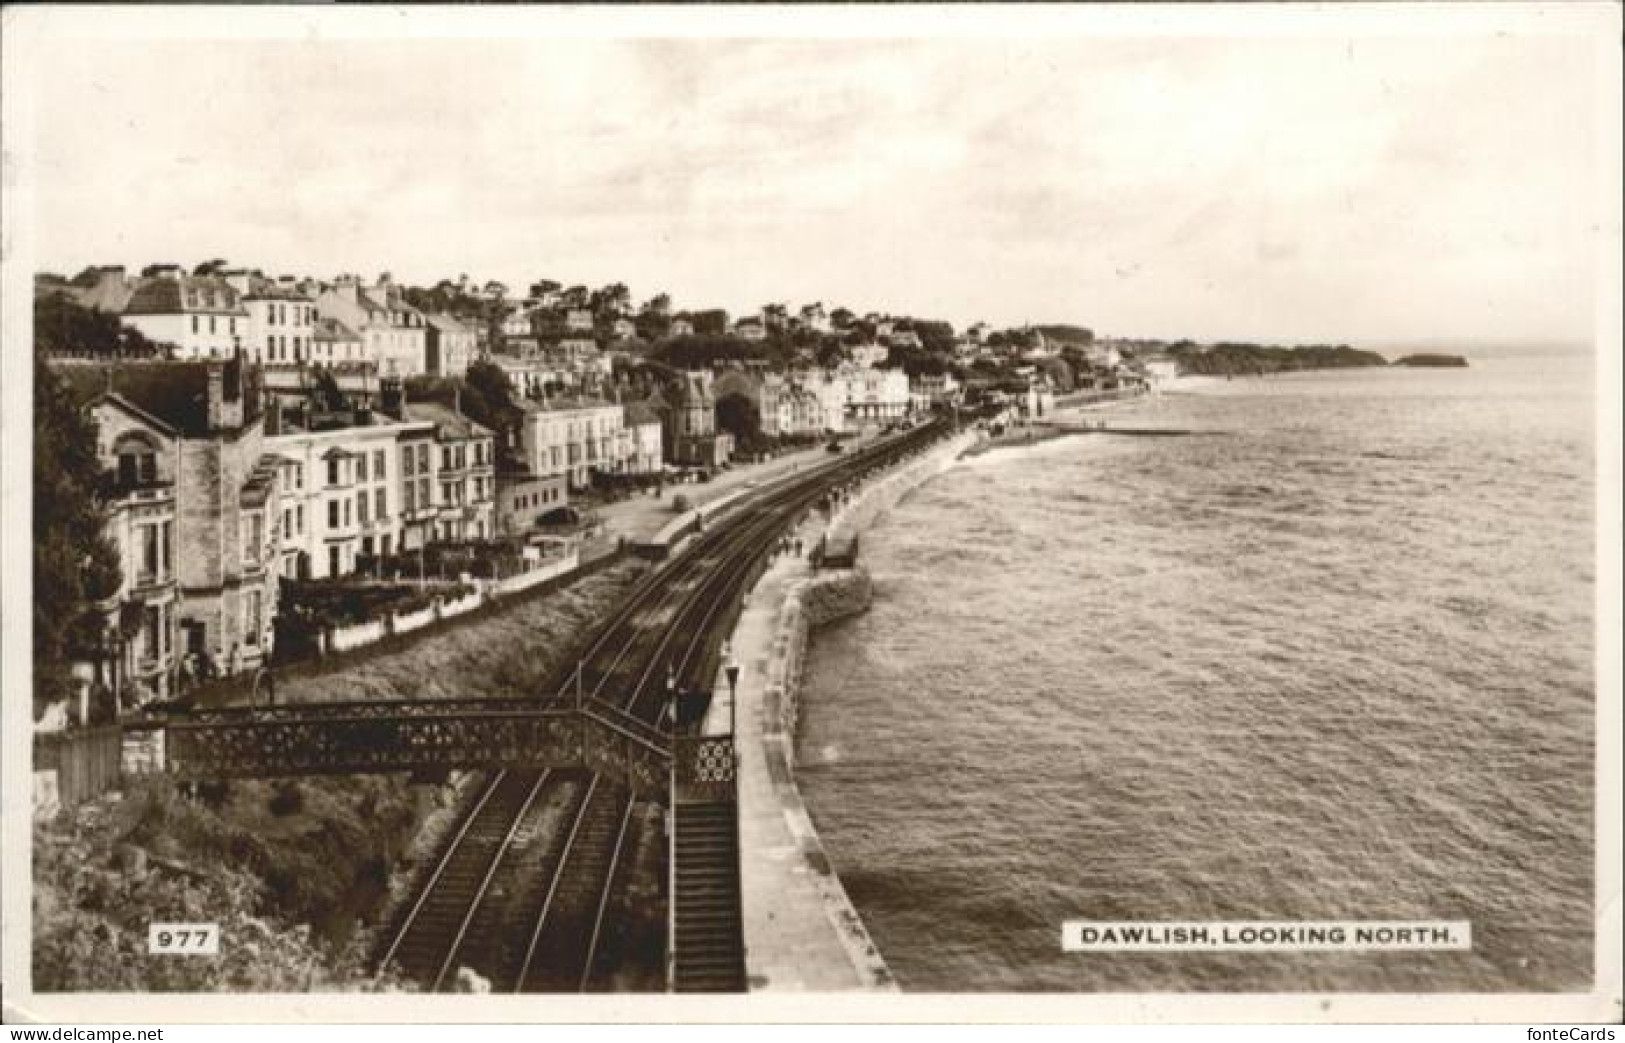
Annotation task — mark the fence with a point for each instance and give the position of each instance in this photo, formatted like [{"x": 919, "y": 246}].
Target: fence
[{"x": 86, "y": 761}]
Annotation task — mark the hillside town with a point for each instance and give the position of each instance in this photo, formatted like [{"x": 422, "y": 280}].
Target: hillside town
[{"x": 258, "y": 437}]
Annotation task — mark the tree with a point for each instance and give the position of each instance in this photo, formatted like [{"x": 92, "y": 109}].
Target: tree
[
  {"x": 614, "y": 299},
  {"x": 64, "y": 328},
  {"x": 214, "y": 267},
  {"x": 740, "y": 417},
  {"x": 543, "y": 287},
  {"x": 576, "y": 297},
  {"x": 75, "y": 565},
  {"x": 659, "y": 304},
  {"x": 713, "y": 321}
]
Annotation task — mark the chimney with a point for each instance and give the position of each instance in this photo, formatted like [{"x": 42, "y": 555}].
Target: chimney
[
  {"x": 457, "y": 398},
  {"x": 216, "y": 396},
  {"x": 392, "y": 397}
]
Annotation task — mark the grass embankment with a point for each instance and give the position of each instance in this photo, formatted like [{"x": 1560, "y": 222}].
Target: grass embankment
[{"x": 286, "y": 868}]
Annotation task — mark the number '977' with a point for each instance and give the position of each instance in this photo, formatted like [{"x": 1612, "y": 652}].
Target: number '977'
[{"x": 183, "y": 939}]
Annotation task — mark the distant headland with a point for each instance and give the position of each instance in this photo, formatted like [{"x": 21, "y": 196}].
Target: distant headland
[{"x": 1433, "y": 360}]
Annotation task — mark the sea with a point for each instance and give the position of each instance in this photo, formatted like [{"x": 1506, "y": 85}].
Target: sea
[{"x": 1329, "y": 656}]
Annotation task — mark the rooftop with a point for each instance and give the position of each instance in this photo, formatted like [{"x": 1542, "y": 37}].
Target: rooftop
[
  {"x": 448, "y": 422},
  {"x": 187, "y": 294}
]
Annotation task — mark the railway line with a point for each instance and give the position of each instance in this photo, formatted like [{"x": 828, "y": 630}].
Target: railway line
[{"x": 526, "y": 888}]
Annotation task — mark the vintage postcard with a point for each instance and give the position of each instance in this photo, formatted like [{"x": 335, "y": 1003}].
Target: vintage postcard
[{"x": 864, "y": 513}]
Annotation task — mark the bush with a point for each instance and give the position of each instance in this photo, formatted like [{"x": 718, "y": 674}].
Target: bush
[{"x": 287, "y": 799}]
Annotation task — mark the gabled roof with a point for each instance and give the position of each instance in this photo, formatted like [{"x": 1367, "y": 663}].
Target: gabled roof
[
  {"x": 174, "y": 393},
  {"x": 331, "y": 329},
  {"x": 641, "y": 413},
  {"x": 447, "y": 324},
  {"x": 117, "y": 400}
]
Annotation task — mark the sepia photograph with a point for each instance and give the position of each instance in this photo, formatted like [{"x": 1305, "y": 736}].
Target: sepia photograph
[{"x": 863, "y": 513}]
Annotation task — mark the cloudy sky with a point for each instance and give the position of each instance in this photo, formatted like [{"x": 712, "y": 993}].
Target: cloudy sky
[{"x": 1365, "y": 188}]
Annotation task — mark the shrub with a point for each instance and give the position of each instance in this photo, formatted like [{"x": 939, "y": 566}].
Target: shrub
[{"x": 287, "y": 799}]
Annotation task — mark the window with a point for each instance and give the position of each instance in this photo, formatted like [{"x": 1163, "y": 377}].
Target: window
[
  {"x": 165, "y": 541},
  {"x": 423, "y": 458},
  {"x": 253, "y": 537},
  {"x": 299, "y": 518},
  {"x": 287, "y": 520},
  {"x": 385, "y": 547},
  {"x": 332, "y": 514},
  {"x": 211, "y": 324},
  {"x": 361, "y": 467},
  {"x": 361, "y": 507},
  {"x": 381, "y": 502},
  {"x": 149, "y": 561},
  {"x": 137, "y": 466},
  {"x": 152, "y": 633},
  {"x": 408, "y": 462},
  {"x": 411, "y": 497},
  {"x": 231, "y": 325},
  {"x": 347, "y": 515},
  {"x": 332, "y": 470},
  {"x": 194, "y": 324},
  {"x": 445, "y": 458},
  {"x": 423, "y": 494},
  {"x": 332, "y": 561},
  {"x": 253, "y": 622},
  {"x": 378, "y": 464}
]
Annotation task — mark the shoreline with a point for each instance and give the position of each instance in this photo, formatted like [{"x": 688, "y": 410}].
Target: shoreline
[{"x": 802, "y": 930}]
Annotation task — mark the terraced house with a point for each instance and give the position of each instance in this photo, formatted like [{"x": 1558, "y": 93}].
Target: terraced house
[
  {"x": 572, "y": 437},
  {"x": 281, "y": 319},
  {"x": 464, "y": 484},
  {"x": 394, "y": 334},
  {"x": 343, "y": 501}
]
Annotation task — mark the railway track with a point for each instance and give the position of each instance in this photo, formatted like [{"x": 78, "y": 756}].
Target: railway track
[{"x": 523, "y": 892}]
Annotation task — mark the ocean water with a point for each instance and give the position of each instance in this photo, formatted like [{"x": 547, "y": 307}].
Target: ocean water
[{"x": 1329, "y": 658}]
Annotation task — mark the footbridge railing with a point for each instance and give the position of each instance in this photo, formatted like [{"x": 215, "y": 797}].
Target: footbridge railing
[{"x": 340, "y": 738}]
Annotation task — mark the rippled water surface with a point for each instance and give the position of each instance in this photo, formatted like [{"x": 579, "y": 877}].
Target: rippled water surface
[{"x": 1329, "y": 659}]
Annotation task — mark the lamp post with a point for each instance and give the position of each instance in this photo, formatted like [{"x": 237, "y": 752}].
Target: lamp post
[
  {"x": 732, "y": 670},
  {"x": 671, "y": 696}
]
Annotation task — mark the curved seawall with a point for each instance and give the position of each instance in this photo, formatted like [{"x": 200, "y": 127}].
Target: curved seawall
[{"x": 801, "y": 929}]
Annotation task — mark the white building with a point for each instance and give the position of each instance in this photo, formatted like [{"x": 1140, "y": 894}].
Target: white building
[
  {"x": 572, "y": 437},
  {"x": 464, "y": 484},
  {"x": 281, "y": 319},
  {"x": 200, "y": 315},
  {"x": 340, "y": 496},
  {"x": 393, "y": 333},
  {"x": 450, "y": 346}
]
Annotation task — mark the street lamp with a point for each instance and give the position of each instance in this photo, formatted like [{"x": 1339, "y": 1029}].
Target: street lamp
[
  {"x": 732, "y": 670},
  {"x": 671, "y": 696}
]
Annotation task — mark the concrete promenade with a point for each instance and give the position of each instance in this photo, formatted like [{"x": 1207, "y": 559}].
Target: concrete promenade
[{"x": 802, "y": 932}]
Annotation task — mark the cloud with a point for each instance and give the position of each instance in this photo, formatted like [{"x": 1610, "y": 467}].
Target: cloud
[{"x": 1249, "y": 187}]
